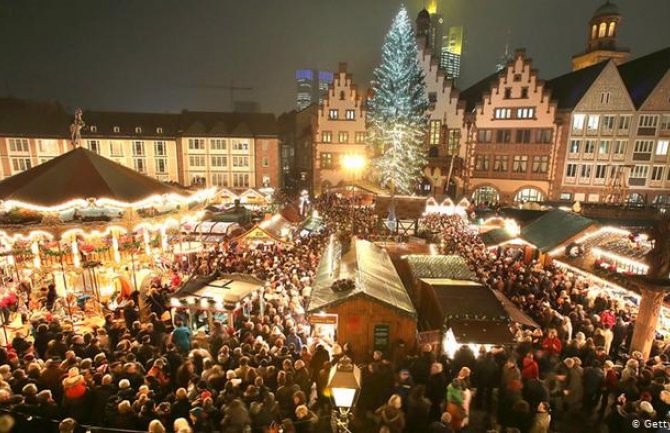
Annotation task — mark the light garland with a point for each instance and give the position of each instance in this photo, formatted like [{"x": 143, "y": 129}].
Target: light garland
[
  {"x": 606, "y": 229},
  {"x": 621, "y": 259}
]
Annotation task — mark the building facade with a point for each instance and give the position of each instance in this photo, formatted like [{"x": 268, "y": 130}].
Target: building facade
[
  {"x": 232, "y": 150},
  {"x": 311, "y": 87},
  {"x": 511, "y": 136},
  {"x": 340, "y": 131},
  {"x": 601, "y": 39}
]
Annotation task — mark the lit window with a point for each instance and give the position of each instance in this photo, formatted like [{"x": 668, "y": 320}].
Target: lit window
[
  {"x": 592, "y": 123},
  {"x": 159, "y": 130},
  {"x": 350, "y": 114},
  {"x": 434, "y": 134},
  {"x": 575, "y": 145},
  {"x": 327, "y": 136},
  {"x": 359, "y": 137},
  {"x": 343, "y": 137},
  {"x": 578, "y": 122},
  {"x": 610, "y": 29},
  {"x": 500, "y": 163},
  {"x": 93, "y": 128},
  {"x": 19, "y": 145},
  {"x": 333, "y": 114},
  {"x": 604, "y": 148},
  {"x": 602, "y": 30},
  {"x": 662, "y": 147},
  {"x": 520, "y": 164},
  {"x": 503, "y": 113},
  {"x": 138, "y": 130},
  {"x": 540, "y": 164},
  {"x": 116, "y": 129}
]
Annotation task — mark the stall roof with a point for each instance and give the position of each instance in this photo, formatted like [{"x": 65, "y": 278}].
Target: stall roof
[
  {"x": 312, "y": 224},
  {"x": 227, "y": 288},
  {"x": 80, "y": 174},
  {"x": 515, "y": 314},
  {"x": 277, "y": 226},
  {"x": 373, "y": 273},
  {"x": 555, "y": 228},
  {"x": 440, "y": 266},
  {"x": 478, "y": 332},
  {"x": 496, "y": 237}
]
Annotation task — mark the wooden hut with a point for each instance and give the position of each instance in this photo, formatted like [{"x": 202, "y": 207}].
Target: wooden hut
[{"x": 359, "y": 292}]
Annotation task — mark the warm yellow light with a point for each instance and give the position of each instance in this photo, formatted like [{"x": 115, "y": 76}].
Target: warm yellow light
[
  {"x": 35, "y": 249},
  {"x": 432, "y": 7},
  {"x": 75, "y": 254},
  {"x": 353, "y": 162}
]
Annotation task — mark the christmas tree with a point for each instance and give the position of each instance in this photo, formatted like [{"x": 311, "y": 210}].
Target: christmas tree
[{"x": 397, "y": 110}]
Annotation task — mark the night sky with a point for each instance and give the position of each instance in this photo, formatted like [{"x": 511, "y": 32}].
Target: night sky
[{"x": 156, "y": 55}]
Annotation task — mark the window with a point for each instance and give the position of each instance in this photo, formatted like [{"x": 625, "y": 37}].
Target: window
[
  {"x": 21, "y": 164},
  {"x": 140, "y": 165},
  {"x": 359, "y": 137},
  {"x": 116, "y": 129},
  {"x": 47, "y": 146},
  {"x": 610, "y": 29},
  {"x": 529, "y": 194},
  {"x": 350, "y": 115},
  {"x": 342, "y": 95},
  {"x": 327, "y": 161},
  {"x": 217, "y": 144},
  {"x": 608, "y": 123},
  {"x": 523, "y": 135},
  {"x": 241, "y": 145},
  {"x": 116, "y": 148},
  {"x": 159, "y": 130},
  {"x": 540, "y": 164},
  {"x": 575, "y": 145},
  {"x": 93, "y": 128},
  {"x": 434, "y": 132},
  {"x": 265, "y": 162},
  {"x": 219, "y": 161},
  {"x": 196, "y": 160},
  {"x": 502, "y": 113},
  {"x": 266, "y": 181},
  {"x": 662, "y": 147},
  {"x": 484, "y": 135},
  {"x": 161, "y": 165},
  {"x": 138, "y": 148},
  {"x": 624, "y": 123},
  {"x": 138, "y": 130},
  {"x": 601, "y": 171},
  {"x": 94, "y": 146},
  {"x": 196, "y": 144},
  {"x": 327, "y": 136},
  {"x": 432, "y": 97},
  {"x": 240, "y": 161},
  {"x": 602, "y": 30},
  {"x": 160, "y": 148},
  {"x": 503, "y": 135},
  {"x": 500, "y": 163},
  {"x": 665, "y": 122},
  {"x": 643, "y": 146},
  {"x": 517, "y": 77},
  {"x": 592, "y": 123},
  {"x": 19, "y": 145},
  {"x": 543, "y": 136},
  {"x": 590, "y": 146},
  {"x": 657, "y": 172},
  {"x": 240, "y": 180},
  {"x": 571, "y": 170},
  {"x": 605, "y": 97},
  {"x": 594, "y": 31},
  {"x": 639, "y": 172},
  {"x": 482, "y": 163},
  {"x": 508, "y": 92},
  {"x": 648, "y": 121},
  {"x": 520, "y": 164},
  {"x": 453, "y": 136},
  {"x": 333, "y": 114},
  {"x": 566, "y": 196},
  {"x": 343, "y": 137},
  {"x": 620, "y": 147},
  {"x": 525, "y": 113},
  {"x": 604, "y": 147},
  {"x": 585, "y": 172},
  {"x": 578, "y": 122},
  {"x": 524, "y": 92},
  {"x": 220, "y": 179}
]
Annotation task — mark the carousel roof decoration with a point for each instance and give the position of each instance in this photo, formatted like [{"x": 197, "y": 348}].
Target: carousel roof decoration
[
  {"x": 78, "y": 177},
  {"x": 370, "y": 269}
]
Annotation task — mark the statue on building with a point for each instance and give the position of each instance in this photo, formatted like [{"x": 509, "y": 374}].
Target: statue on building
[{"x": 76, "y": 127}]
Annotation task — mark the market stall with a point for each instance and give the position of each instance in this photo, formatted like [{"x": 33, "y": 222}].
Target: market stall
[
  {"x": 273, "y": 229},
  {"x": 84, "y": 223}
]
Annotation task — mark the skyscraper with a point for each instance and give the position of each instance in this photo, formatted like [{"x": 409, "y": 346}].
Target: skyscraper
[
  {"x": 452, "y": 48},
  {"x": 435, "y": 31},
  {"x": 312, "y": 86}
]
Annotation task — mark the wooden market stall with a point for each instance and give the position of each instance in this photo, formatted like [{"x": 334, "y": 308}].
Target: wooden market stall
[
  {"x": 274, "y": 229},
  {"x": 359, "y": 291}
]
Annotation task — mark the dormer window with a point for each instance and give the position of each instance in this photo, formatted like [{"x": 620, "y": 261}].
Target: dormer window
[
  {"x": 116, "y": 129},
  {"x": 93, "y": 128},
  {"x": 517, "y": 77},
  {"x": 138, "y": 130},
  {"x": 159, "y": 130}
]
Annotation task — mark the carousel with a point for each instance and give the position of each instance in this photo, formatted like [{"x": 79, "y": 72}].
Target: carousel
[{"x": 80, "y": 233}]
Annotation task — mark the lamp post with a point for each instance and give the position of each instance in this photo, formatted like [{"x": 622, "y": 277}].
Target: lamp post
[
  {"x": 344, "y": 383},
  {"x": 353, "y": 163}
]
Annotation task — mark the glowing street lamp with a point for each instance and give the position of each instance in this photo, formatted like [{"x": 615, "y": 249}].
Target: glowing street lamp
[{"x": 344, "y": 383}]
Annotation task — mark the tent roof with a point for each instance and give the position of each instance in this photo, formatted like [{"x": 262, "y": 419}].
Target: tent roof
[
  {"x": 371, "y": 269},
  {"x": 554, "y": 228},
  {"x": 496, "y": 237},
  {"x": 80, "y": 174},
  {"x": 442, "y": 266}
]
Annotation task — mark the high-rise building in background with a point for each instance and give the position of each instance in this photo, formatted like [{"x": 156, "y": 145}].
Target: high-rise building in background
[
  {"x": 505, "y": 59},
  {"x": 452, "y": 48},
  {"x": 429, "y": 24},
  {"x": 312, "y": 86}
]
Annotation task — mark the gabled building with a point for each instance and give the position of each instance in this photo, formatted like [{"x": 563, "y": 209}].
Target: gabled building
[{"x": 511, "y": 136}]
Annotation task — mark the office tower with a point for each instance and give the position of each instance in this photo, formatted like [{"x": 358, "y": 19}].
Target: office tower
[
  {"x": 452, "y": 48},
  {"x": 312, "y": 86}
]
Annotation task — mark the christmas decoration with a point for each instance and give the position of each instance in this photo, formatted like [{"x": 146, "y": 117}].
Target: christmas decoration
[{"x": 397, "y": 110}]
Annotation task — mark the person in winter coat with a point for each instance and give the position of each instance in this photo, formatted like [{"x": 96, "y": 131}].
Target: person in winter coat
[
  {"x": 391, "y": 415},
  {"x": 541, "y": 420},
  {"x": 484, "y": 378},
  {"x": 443, "y": 425},
  {"x": 551, "y": 344},
  {"x": 236, "y": 418},
  {"x": 530, "y": 369},
  {"x": 436, "y": 390},
  {"x": 574, "y": 390},
  {"x": 457, "y": 399},
  {"x": 306, "y": 420},
  {"x": 418, "y": 409}
]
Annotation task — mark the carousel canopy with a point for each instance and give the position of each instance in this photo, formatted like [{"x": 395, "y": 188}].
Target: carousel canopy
[{"x": 80, "y": 174}]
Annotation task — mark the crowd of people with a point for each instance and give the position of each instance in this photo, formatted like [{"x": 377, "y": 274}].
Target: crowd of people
[{"x": 269, "y": 372}]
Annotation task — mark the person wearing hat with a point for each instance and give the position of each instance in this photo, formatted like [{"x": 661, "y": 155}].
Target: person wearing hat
[
  {"x": 443, "y": 425},
  {"x": 68, "y": 425}
]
